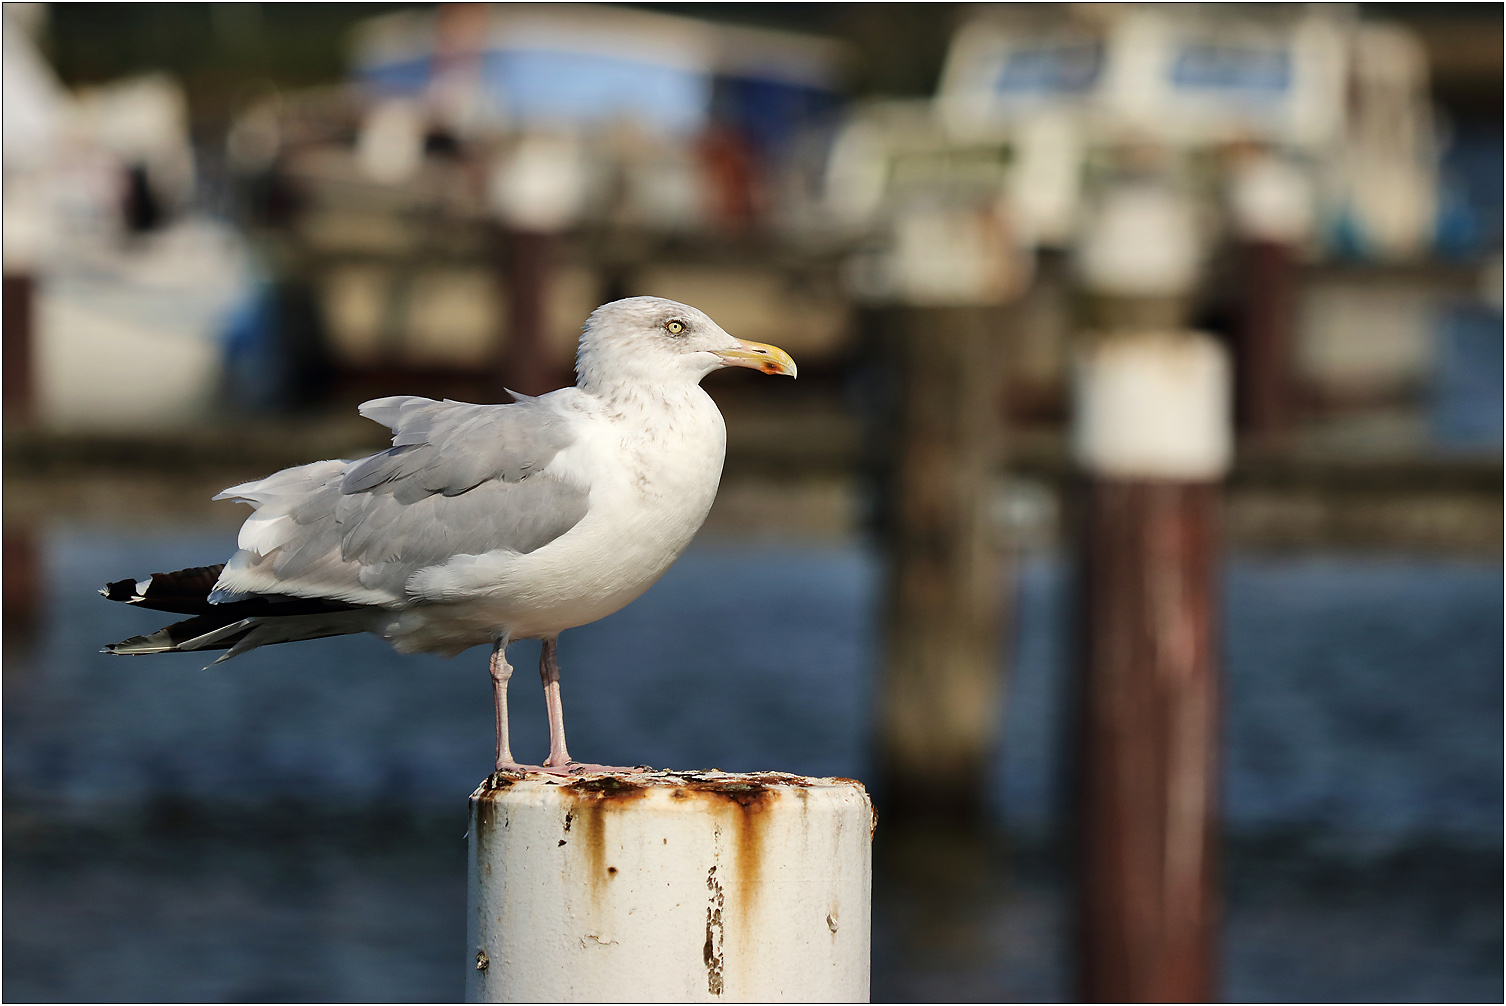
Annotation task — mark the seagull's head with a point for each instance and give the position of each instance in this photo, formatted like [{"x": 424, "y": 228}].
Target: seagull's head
[{"x": 660, "y": 341}]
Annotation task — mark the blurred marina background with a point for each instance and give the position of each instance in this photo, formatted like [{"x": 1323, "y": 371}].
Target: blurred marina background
[{"x": 225, "y": 225}]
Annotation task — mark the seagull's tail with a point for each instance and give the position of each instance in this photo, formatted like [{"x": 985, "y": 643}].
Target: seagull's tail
[
  {"x": 236, "y": 626},
  {"x": 186, "y": 591}
]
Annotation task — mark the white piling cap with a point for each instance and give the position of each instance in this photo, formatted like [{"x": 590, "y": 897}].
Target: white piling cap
[
  {"x": 1143, "y": 241},
  {"x": 1154, "y": 406}
]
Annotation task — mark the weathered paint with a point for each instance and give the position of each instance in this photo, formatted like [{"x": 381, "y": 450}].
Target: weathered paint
[{"x": 670, "y": 887}]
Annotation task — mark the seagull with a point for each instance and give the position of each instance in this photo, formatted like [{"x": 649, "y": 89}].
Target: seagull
[{"x": 482, "y": 523}]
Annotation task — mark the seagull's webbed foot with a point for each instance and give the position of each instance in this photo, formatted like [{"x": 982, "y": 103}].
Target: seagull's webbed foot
[
  {"x": 506, "y": 775},
  {"x": 515, "y": 767},
  {"x": 591, "y": 768},
  {"x": 571, "y": 769}
]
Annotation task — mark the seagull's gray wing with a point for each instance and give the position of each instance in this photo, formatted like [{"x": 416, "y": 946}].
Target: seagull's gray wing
[{"x": 459, "y": 479}]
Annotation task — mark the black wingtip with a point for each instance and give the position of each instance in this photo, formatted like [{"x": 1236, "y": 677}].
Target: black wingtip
[
  {"x": 185, "y": 591},
  {"x": 120, "y": 590}
]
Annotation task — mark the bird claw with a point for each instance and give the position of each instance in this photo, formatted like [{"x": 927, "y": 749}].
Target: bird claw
[
  {"x": 590, "y": 768},
  {"x": 513, "y": 770},
  {"x": 517, "y": 770}
]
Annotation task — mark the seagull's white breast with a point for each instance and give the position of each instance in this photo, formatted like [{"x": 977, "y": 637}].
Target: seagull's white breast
[{"x": 652, "y": 465}]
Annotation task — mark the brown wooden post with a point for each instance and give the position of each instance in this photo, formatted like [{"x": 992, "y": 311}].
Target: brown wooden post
[
  {"x": 23, "y": 586},
  {"x": 21, "y": 569},
  {"x": 17, "y": 334},
  {"x": 537, "y": 191},
  {"x": 1152, "y": 431},
  {"x": 939, "y": 705},
  {"x": 526, "y": 365},
  {"x": 1271, "y": 201},
  {"x": 1264, "y": 368},
  {"x": 1148, "y": 872}
]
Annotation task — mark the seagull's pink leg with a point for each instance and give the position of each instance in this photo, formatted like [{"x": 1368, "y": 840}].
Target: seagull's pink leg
[
  {"x": 501, "y": 672},
  {"x": 559, "y": 756},
  {"x": 549, "y": 671}
]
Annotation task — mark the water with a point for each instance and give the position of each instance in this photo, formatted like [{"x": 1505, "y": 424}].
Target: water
[
  {"x": 1466, "y": 401},
  {"x": 1363, "y": 700},
  {"x": 287, "y": 826},
  {"x": 740, "y": 658}
]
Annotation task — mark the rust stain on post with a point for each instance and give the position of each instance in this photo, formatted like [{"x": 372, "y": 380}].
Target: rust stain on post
[
  {"x": 750, "y": 796},
  {"x": 594, "y": 799}
]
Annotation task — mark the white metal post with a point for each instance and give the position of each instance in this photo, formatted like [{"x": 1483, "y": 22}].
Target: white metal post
[{"x": 670, "y": 887}]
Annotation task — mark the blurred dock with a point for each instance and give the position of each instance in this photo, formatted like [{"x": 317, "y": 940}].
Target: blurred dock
[
  {"x": 442, "y": 221},
  {"x": 815, "y": 486}
]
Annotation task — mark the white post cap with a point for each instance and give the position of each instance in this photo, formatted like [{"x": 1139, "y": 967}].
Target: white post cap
[
  {"x": 541, "y": 183},
  {"x": 1143, "y": 241},
  {"x": 1271, "y": 199},
  {"x": 1154, "y": 406},
  {"x": 390, "y": 143}
]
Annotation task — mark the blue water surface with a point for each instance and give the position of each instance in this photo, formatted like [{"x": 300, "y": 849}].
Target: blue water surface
[
  {"x": 287, "y": 826},
  {"x": 1364, "y": 695}
]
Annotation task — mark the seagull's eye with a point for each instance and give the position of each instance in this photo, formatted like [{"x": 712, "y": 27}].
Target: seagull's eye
[{"x": 675, "y": 327}]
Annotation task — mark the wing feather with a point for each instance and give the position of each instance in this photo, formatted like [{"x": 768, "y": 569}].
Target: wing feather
[{"x": 459, "y": 480}]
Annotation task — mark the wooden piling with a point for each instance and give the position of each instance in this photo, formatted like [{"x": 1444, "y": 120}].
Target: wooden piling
[
  {"x": 1272, "y": 215},
  {"x": 1152, "y": 430},
  {"x": 17, "y": 335},
  {"x": 1148, "y": 762},
  {"x": 525, "y": 363},
  {"x": 1267, "y": 396},
  {"x": 536, "y": 189},
  {"x": 940, "y": 697}
]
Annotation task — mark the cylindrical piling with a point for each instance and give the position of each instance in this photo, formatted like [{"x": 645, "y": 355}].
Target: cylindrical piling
[
  {"x": 1267, "y": 338},
  {"x": 525, "y": 364},
  {"x": 536, "y": 189},
  {"x": 939, "y": 708},
  {"x": 670, "y": 887},
  {"x": 1153, "y": 432},
  {"x": 1271, "y": 203},
  {"x": 17, "y": 347}
]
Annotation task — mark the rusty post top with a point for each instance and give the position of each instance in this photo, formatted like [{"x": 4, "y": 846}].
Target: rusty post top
[{"x": 744, "y": 788}]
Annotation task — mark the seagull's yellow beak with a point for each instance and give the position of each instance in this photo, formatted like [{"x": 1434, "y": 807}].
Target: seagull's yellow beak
[{"x": 769, "y": 359}]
